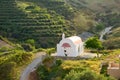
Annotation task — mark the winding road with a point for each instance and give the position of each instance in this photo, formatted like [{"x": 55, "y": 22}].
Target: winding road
[
  {"x": 105, "y": 31},
  {"x": 35, "y": 63}
]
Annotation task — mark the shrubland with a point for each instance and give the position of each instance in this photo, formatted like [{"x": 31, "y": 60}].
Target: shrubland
[
  {"x": 12, "y": 61},
  {"x": 90, "y": 69}
]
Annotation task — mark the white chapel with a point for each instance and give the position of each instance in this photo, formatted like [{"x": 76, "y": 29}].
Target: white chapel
[{"x": 70, "y": 47}]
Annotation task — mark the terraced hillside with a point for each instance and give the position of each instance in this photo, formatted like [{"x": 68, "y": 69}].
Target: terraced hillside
[
  {"x": 23, "y": 20},
  {"x": 59, "y": 6},
  {"x": 45, "y": 20}
]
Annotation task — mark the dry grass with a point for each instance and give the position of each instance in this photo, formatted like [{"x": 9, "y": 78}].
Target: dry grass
[
  {"x": 93, "y": 65},
  {"x": 4, "y": 44}
]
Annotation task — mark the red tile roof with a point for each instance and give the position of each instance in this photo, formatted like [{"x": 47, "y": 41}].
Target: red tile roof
[{"x": 66, "y": 45}]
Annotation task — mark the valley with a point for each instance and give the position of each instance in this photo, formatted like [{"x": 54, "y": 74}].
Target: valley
[{"x": 28, "y": 27}]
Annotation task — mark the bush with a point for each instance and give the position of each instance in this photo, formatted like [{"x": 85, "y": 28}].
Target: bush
[
  {"x": 4, "y": 49},
  {"x": 73, "y": 75},
  {"x": 30, "y": 7},
  {"x": 31, "y": 42},
  {"x": 93, "y": 43},
  {"x": 7, "y": 71},
  {"x": 11, "y": 64},
  {"x": 104, "y": 68},
  {"x": 58, "y": 62},
  {"x": 20, "y": 58},
  {"x": 100, "y": 27},
  {"x": 27, "y": 47},
  {"x": 50, "y": 70},
  {"x": 48, "y": 61},
  {"x": 42, "y": 72},
  {"x": 50, "y": 51},
  {"x": 85, "y": 75}
]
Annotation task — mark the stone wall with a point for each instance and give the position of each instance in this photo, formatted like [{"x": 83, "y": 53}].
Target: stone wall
[
  {"x": 69, "y": 58},
  {"x": 114, "y": 70}
]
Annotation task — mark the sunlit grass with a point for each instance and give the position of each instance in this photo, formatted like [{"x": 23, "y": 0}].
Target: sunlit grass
[{"x": 93, "y": 65}]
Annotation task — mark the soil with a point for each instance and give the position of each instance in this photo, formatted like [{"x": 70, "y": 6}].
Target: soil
[{"x": 33, "y": 75}]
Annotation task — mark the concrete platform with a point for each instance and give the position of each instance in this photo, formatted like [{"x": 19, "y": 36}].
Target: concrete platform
[{"x": 82, "y": 56}]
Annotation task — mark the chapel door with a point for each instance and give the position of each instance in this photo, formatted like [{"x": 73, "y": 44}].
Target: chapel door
[{"x": 66, "y": 47}]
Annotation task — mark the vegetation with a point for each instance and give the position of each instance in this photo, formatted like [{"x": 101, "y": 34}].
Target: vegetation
[
  {"x": 27, "y": 47},
  {"x": 32, "y": 24},
  {"x": 75, "y": 70},
  {"x": 11, "y": 63},
  {"x": 113, "y": 39},
  {"x": 45, "y": 21},
  {"x": 78, "y": 69},
  {"x": 93, "y": 43},
  {"x": 85, "y": 75}
]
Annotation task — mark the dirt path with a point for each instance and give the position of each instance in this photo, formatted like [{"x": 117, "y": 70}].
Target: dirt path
[{"x": 35, "y": 63}]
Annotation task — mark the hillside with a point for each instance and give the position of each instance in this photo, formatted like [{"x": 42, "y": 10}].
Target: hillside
[
  {"x": 45, "y": 20},
  {"x": 113, "y": 39},
  {"x": 96, "y": 6},
  {"x": 61, "y": 69},
  {"x": 4, "y": 44},
  {"x": 106, "y": 11},
  {"x": 28, "y": 26},
  {"x": 24, "y": 20}
]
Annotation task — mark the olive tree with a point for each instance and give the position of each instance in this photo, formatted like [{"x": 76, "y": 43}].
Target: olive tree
[{"x": 93, "y": 43}]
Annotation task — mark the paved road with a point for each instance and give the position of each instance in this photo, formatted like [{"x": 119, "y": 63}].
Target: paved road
[
  {"x": 104, "y": 32},
  {"x": 36, "y": 62}
]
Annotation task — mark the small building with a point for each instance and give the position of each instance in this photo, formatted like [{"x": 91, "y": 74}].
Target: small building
[
  {"x": 70, "y": 47},
  {"x": 114, "y": 69}
]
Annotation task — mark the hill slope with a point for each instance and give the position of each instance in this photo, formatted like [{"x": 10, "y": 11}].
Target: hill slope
[
  {"x": 45, "y": 20},
  {"x": 96, "y": 5},
  {"x": 24, "y": 20},
  {"x": 113, "y": 39}
]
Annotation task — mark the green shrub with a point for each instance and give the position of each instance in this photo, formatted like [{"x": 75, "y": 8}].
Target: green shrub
[
  {"x": 72, "y": 75},
  {"x": 100, "y": 27},
  {"x": 4, "y": 49},
  {"x": 50, "y": 51},
  {"x": 85, "y": 75},
  {"x": 58, "y": 62},
  {"x": 30, "y": 7},
  {"x": 31, "y": 41},
  {"x": 7, "y": 71},
  {"x": 27, "y": 47},
  {"x": 48, "y": 61},
  {"x": 50, "y": 69},
  {"x": 42, "y": 72},
  {"x": 93, "y": 43},
  {"x": 104, "y": 68},
  {"x": 12, "y": 62}
]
